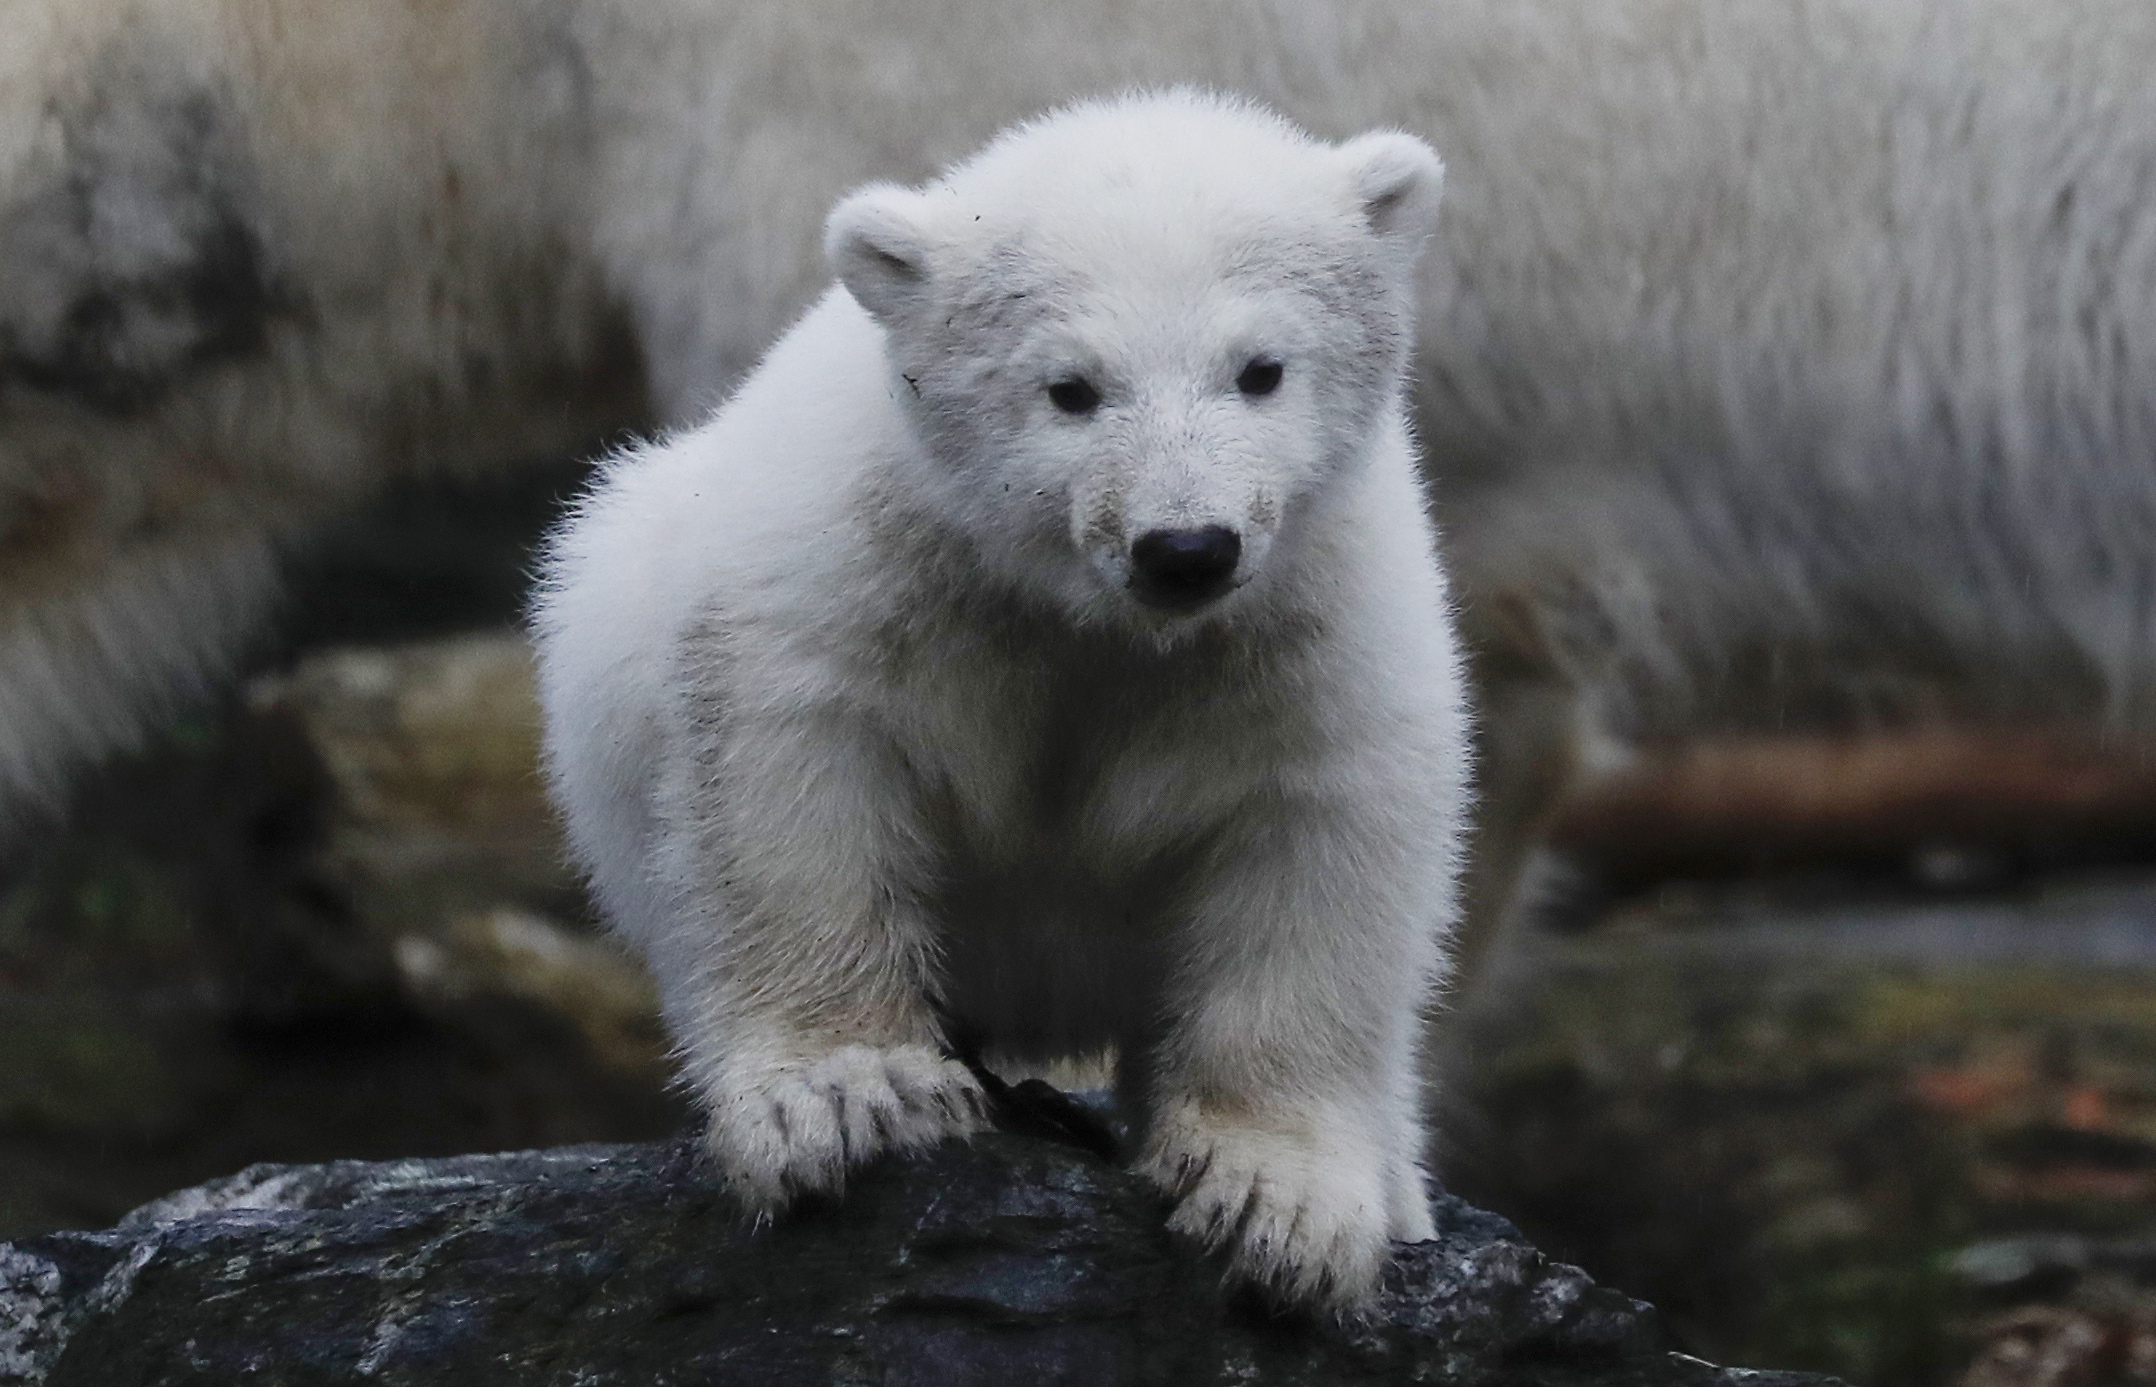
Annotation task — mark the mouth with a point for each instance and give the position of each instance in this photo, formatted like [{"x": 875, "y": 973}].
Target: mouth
[{"x": 1178, "y": 601}]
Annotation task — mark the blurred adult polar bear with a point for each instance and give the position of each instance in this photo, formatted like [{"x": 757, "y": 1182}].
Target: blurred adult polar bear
[
  {"x": 258, "y": 258},
  {"x": 1783, "y": 362},
  {"x": 1044, "y": 650}
]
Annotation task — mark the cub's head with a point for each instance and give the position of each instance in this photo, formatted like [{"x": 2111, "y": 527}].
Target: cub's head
[{"x": 1140, "y": 338}]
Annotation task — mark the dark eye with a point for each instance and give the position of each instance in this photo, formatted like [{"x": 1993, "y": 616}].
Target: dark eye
[
  {"x": 1260, "y": 377},
  {"x": 1074, "y": 396}
]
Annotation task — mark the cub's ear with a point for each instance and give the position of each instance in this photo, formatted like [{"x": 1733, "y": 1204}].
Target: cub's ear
[
  {"x": 1397, "y": 178},
  {"x": 878, "y": 242}
]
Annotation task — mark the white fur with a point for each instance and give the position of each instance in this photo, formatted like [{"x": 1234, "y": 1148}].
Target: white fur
[
  {"x": 865, "y": 740},
  {"x": 1781, "y": 362}
]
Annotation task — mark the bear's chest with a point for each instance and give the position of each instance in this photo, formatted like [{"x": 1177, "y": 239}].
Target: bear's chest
[
  {"x": 1065, "y": 812},
  {"x": 1063, "y": 767}
]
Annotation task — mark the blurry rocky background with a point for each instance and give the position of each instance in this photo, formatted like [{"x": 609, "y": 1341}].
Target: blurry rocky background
[
  {"x": 1843, "y": 1053},
  {"x": 330, "y": 918}
]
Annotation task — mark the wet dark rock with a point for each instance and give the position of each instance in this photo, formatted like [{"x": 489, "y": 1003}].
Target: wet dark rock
[{"x": 1011, "y": 1259}]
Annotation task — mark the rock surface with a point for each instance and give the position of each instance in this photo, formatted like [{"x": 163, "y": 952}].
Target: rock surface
[{"x": 1010, "y": 1259}]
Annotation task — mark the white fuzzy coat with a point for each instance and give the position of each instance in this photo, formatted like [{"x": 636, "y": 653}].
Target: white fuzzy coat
[{"x": 866, "y": 743}]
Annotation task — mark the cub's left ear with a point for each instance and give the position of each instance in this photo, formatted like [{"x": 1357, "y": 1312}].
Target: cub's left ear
[{"x": 1398, "y": 178}]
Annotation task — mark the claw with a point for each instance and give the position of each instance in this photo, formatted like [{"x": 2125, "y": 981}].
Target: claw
[{"x": 798, "y": 1127}]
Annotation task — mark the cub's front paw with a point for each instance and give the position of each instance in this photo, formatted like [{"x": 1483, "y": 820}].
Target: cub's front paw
[
  {"x": 798, "y": 1126},
  {"x": 1306, "y": 1212}
]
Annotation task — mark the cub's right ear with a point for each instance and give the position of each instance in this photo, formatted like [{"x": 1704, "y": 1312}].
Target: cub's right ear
[
  {"x": 877, "y": 242},
  {"x": 1397, "y": 179}
]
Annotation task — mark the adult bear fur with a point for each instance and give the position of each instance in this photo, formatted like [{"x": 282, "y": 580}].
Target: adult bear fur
[
  {"x": 1781, "y": 363},
  {"x": 257, "y": 260}
]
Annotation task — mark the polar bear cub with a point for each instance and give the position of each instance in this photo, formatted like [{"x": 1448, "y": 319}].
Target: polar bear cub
[{"x": 1044, "y": 652}]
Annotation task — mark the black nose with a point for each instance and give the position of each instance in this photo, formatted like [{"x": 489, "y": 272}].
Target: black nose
[{"x": 1184, "y": 568}]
